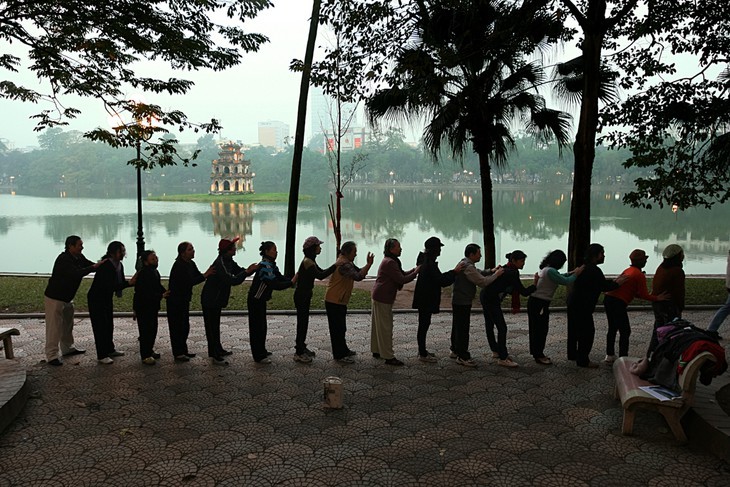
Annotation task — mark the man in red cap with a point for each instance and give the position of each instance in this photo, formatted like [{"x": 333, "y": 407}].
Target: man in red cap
[
  {"x": 616, "y": 302},
  {"x": 215, "y": 295}
]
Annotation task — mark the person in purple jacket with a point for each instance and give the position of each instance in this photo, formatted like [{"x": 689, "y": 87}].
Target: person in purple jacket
[{"x": 389, "y": 280}]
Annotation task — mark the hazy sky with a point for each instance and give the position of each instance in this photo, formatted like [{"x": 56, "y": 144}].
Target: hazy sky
[{"x": 261, "y": 88}]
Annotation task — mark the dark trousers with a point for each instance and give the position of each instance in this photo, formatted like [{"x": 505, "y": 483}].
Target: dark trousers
[
  {"x": 101, "y": 315},
  {"x": 424, "y": 323},
  {"x": 460, "y": 320},
  {"x": 147, "y": 322},
  {"x": 257, "y": 328},
  {"x": 302, "y": 303},
  {"x": 581, "y": 332},
  {"x": 337, "y": 321},
  {"x": 538, "y": 324},
  {"x": 178, "y": 321},
  {"x": 212, "y": 321},
  {"x": 493, "y": 317},
  {"x": 618, "y": 322}
]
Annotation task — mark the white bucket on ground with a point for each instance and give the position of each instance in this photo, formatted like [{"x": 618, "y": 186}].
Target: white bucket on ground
[{"x": 332, "y": 392}]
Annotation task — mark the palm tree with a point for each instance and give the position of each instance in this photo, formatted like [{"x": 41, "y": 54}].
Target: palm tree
[
  {"x": 466, "y": 72},
  {"x": 296, "y": 167}
]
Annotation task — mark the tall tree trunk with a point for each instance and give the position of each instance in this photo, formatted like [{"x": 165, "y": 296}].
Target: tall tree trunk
[
  {"x": 490, "y": 248},
  {"x": 584, "y": 149},
  {"x": 296, "y": 166}
]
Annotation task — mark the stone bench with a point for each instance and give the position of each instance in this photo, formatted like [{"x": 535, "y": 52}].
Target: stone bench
[
  {"x": 6, "y": 335},
  {"x": 633, "y": 398}
]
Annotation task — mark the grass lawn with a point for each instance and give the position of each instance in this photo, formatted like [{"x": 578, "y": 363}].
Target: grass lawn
[{"x": 25, "y": 295}]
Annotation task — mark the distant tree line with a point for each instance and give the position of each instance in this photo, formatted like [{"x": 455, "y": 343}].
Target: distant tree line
[{"x": 66, "y": 161}]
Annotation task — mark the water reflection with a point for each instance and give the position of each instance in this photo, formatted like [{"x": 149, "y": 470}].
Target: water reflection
[
  {"x": 232, "y": 220},
  {"x": 33, "y": 229}
]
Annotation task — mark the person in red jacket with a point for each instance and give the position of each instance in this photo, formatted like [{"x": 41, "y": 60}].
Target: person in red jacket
[{"x": 617, "y": 301}]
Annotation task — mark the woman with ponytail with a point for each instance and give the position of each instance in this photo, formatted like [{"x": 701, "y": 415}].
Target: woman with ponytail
[{"x": 267, "y": 280}]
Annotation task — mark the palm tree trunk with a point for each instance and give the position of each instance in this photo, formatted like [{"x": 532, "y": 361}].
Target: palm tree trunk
[
  {"x": 485, "y": 172},
  {"x": 296, "y": 166},
  {"x": 584, "y": 149}
]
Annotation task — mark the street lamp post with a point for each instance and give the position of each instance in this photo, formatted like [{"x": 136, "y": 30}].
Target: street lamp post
[
  {"x": 140, "y": 128},
  {"x": 140, "y": 230}
]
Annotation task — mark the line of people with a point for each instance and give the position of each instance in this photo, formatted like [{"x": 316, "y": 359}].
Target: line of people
[{"x": 497, "y": 284}]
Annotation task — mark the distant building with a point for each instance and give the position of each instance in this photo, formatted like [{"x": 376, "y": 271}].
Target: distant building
[
  {"x": 353, "y": 138},
  {"x": 230, "y": 173},
  {"x": 323, "y": 116},
  {"x": 273, "y": 134}
]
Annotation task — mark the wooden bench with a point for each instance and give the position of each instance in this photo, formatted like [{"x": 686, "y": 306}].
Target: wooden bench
[
  {"x": 633, "y": 398},
  {"x": 6, "y": 335}
]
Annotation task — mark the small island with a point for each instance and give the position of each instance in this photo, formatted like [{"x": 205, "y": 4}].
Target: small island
[{"x": 231, "y": 181}]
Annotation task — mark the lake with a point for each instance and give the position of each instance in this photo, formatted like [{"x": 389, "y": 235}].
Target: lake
[{"x": 33, "y": 229}]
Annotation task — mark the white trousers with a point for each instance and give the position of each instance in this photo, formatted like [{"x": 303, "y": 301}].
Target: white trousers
[{"x": 59, "y": 327}]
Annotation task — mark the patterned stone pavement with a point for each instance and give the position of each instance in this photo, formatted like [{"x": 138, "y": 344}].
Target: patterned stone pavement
[{"x": 261, "y": 425}]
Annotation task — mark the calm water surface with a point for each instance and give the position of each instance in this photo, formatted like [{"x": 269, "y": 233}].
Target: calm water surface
[{"x": 33, "y": 229}]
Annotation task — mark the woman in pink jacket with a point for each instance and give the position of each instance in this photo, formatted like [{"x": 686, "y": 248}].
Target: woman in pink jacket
[{"x": 390, "y": 279}]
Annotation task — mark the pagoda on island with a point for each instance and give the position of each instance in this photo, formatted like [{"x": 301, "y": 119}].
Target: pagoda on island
[{"x": 230, "y": 173}]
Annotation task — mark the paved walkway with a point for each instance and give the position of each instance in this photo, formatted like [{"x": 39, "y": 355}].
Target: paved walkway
[{"x": 172, "y": 424}]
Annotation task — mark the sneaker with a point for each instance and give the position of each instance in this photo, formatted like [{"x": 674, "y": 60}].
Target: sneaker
[
  {"x": 189, "y": 355},
  {"x": 117, "y": 353},
  {"x": 495, "y": 354},
  {"x": 149, "y": 361},
  {"x": 610, "y": 359},
  {"x": 218, "y": 361},
  {"x": 106, "y": 360},
  {"x": 453, "y": 354},
  {"x": 156, "y": 356},
  {"x": 393, "y": 361},
  {"x": 466, "y": 362},
  {"x": 303, "y": 358},
  {"x": 182, "y": 358},
  {"x": 376, "y": 355},
  {"x": 225, "y": 353},
  {"x": 310, "y": 353},
  {"x": 543, "y": 360},
  {"x": 264, "y": 361},
  {"x": 74, "y": 351},
  {"x": 430, "y": 358},
  {"x": 351, "y": 353},
  {"x": 508, "y": 362},
  {"x": 55, "y": 362},
  {"x": 346, "y": 360}
]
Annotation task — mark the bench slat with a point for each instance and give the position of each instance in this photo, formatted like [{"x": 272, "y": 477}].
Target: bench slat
[{"x": 627, "y": 390}]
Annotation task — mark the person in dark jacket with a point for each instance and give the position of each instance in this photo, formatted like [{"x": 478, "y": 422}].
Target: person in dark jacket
[
  {"x": 215, "y": 295},
  {"x": 108, "y": 281},
  {"x": 582, "y": 301},
  {"x": 669, "y": 278},
  {"x": 491, "y": 298},
  {"x": 183, "y": 276},
  {"x": 148, "y": 292},
  {"x": 267, "y": 280},
  {"x": 427, "y": 294},
  {"x": 68, "y": 270},
  {"x": 307, "y": 273}
]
